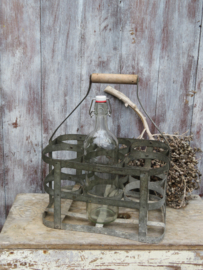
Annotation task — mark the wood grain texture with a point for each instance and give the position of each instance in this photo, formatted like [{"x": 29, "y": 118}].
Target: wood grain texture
[
  {"x": 178, "y": 63},
  {"x": 61, "y": 68},
  {"x": 114, "y": 78},
  {"x": 2, "y": 178},
  {"x": 158, "y": 40},
  {"x": 197, "y": 119},
  {"x": 140, "y": 47},
  {"x": 61, "y": 50},
  {"x": 100, "y": 53},
  {"x": 21, "y": 97},
  {"x": 48, "y": 259},
  {"x": 20, "y": 65},
  {"x": 24, "y": 228}
]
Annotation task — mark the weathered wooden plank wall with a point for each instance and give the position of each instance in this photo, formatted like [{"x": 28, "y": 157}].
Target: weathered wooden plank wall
[
  {"x": 2, "y": 186},
  {"x": 178, "y": 65},
  {"x": 141, "y": 45},
  {"x": 61, "y": 68},
  {"x": 21, "y": 98},
  {"x": 100, "y": 50},
  {"x": 48, "y": 51},
  {"x": 197, "y": 123}
]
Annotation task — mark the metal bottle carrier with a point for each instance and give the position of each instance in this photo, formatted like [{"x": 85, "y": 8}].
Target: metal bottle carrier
[{"x": 137, "y": 190}]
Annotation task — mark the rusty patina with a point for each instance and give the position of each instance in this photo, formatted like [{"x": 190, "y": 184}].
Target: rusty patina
[{"x": 136, "y": 190}]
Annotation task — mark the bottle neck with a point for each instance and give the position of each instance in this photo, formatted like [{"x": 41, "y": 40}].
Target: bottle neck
[
  {"x": 101, "y": 112},
  {"x": 101, "y": 122}
]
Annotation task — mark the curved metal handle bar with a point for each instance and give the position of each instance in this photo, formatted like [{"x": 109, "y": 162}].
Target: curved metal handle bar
[
  {"x": 90, "y": 84},
  {"x": 91, "y": 111},
  {"x": 151, "y": 118},
  {"x": 101, "y": 78}
]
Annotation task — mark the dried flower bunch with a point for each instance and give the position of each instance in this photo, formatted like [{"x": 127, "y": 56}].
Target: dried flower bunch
[{"x": 184, "y": 175}]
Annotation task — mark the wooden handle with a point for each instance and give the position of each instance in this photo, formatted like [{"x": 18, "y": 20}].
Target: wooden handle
[{"x": 114, "y": 78}]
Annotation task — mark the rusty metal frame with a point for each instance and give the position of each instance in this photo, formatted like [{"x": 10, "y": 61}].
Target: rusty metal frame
[
  {"x": 135, "y": 178},
  {"x": 124, "y": 172}
]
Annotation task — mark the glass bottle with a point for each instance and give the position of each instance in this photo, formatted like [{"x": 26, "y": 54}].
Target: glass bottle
[{"x": 101, "y": 139}]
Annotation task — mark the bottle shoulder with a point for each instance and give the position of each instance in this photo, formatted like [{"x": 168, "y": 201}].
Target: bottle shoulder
[{"x": 101, "y": 138}]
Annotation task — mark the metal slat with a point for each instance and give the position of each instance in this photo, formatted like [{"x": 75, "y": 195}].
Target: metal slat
[
  {"x": 57, "y": 196},
  {"x": 143, "y": 206},
  {"x": 139, "y": 178}
]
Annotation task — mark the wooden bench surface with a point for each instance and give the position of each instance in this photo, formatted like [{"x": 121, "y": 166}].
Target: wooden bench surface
[{"x": 24, "y": 229}]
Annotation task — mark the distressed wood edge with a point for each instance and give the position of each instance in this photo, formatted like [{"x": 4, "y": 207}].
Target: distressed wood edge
[
  {"x": 5, "y": 242},
  {"x": 100, "y": 247},
  {"x": 85, "y": 259}
]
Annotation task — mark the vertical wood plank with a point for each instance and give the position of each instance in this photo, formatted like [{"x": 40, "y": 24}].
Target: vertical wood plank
[
  {"x": 2, "y": 179},
  {"x": 61, "y": 50},
  {"x": 178, "y": 62},
  {"x": 21, "y": 79},
  {"x": 140, "y": 48},
  {"x": 197, "y": 119},
  {"x": 21, "y": 97},
  {"x": 61, "y": 68},
  {"x": 100, "y": 53}
]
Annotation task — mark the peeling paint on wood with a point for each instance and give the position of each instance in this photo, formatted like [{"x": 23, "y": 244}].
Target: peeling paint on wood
[
  {"x": 25, "y": 243},
  {"x": 2, "y": 184},
  {"x": 197, "y": 119},
  {"x": 15, "y": 124},
  {"x": 61, "y": 68},
  {"x": 21, "y": 98},
  {"x": 61, "y": 62},
  {"x": 91, "y": 259},
  {"x": 178, "y": 63},
  {"x": 100, "y": 54},
  {"x": 141, "y": 45}
]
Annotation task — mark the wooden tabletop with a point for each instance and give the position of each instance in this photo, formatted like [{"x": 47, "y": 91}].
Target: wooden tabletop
[{"x": 24, "y": 229}]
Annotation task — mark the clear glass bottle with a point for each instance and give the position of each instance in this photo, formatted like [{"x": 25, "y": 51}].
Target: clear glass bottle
[{"x": 101, "y": 139}]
